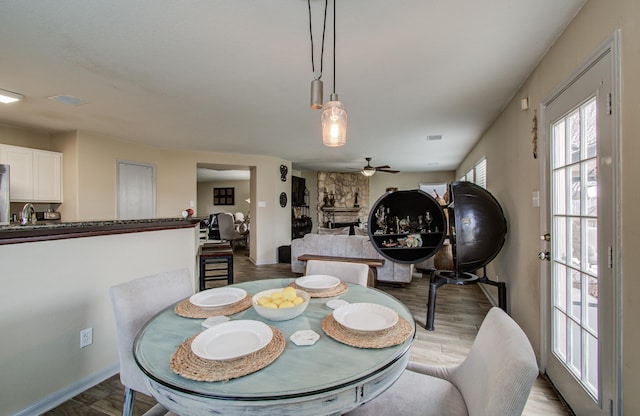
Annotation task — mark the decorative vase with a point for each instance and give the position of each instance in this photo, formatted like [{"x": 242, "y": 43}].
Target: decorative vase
[{"x": 443, "y": 259}]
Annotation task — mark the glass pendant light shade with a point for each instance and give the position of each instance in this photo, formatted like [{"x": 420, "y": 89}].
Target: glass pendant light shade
[{"x": 334, "y": 123}]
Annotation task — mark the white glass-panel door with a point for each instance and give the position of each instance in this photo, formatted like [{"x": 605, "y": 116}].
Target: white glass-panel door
[{"x": 580, "y": 205}]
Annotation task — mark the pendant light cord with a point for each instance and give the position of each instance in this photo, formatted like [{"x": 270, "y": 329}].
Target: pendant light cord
[
  {"x": 324, "y": 28},
  {"x": 334, "y": 46}
]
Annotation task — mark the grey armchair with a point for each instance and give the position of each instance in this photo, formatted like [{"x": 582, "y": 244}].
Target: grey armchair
[
  {"x": 495, "y": 379},
  {"x": 228, "y": 231},
  {"x": 134, "y": 303}
]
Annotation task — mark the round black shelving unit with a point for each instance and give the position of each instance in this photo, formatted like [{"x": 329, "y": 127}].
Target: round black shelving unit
[{"x": 399, "y": 230}]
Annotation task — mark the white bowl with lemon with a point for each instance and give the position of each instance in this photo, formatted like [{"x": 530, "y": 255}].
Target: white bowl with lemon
[{"x": 280, "y": 304}]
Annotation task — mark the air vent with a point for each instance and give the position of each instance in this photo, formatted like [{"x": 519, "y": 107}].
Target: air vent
[
  {"x": 434, "y": 137},
  {"x": 67, "y": 99}
]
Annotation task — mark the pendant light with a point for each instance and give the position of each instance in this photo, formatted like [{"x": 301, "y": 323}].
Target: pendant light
[
  {"x": 334, "y": 116},
  {"x": 316, "y": 84}
]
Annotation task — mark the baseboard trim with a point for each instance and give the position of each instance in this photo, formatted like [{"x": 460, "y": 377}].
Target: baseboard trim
[
  {"x": 72, "y": 390},
  {"x": 488, "y": 294}
]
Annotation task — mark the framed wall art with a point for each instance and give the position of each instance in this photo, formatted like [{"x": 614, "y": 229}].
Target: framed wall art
[{"x": 224, "y": 196}]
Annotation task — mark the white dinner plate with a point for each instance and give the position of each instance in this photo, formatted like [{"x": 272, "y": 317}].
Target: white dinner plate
[
  {"x": 215, "y": 298},
  {"x": 365, "y": 317},
  {"x": 231, "y": 340},
  {"x": 317, "y": 282}
]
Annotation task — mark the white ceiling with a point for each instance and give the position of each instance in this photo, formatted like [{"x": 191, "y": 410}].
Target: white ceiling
[{"x": 234, "y": 76}]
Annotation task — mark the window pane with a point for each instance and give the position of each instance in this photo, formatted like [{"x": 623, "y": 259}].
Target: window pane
[
  {"x": 560, "y": 335},
  {"x": 576, "y": 242},
  {"x": 560, "y": 192},
  {"x": 576, "y": 296},
  {"x": 560, "y": 240},
  {"x": 575, "y": 354},
  {"x": 591, "y": 356},
  {"x": 591, "y": 243},
  {"x": 576, "y": 190},
  {"x": 559, "y": 146},
  {"x": 591, "y": 198},
  {"x": 560, "y": 287},
  {"x": 590, "y": 128},
  {"x": 591, "y": 319},
  {"x": 573, "y": 133}
]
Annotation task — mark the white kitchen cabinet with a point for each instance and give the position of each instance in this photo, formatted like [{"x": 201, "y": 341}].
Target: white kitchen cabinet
[{"x": 35, "y": 175}]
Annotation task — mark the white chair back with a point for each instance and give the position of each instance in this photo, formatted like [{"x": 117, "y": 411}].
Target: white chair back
[
  {"x": 502, "y": 358},
  {"x": 134, "y": 303},
  {"x": 357, "y": 273}
]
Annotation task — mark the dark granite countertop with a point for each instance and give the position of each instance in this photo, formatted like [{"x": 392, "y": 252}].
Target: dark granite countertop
[{"x": 14, "y": 234}]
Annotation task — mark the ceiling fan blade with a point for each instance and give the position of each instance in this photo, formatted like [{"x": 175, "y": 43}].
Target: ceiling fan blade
[
  {"x": 383, "y": 167},
  {"x": 388, "y": 170}
]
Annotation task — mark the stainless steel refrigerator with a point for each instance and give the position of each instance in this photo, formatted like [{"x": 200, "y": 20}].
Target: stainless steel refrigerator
[{"x": 4, "y": 195}]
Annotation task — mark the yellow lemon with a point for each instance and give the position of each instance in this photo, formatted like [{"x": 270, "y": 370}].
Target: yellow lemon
[
  {"x": 263, "y": 300},
  {"x": 270, "y": 305},
  {"x": 277, "y": 301},
  {"x": 289, "y": 293},
  {"x": 276, "y": 295},
  {"x": 298, "y": 300},
  {"x": 287, "y": 304}
]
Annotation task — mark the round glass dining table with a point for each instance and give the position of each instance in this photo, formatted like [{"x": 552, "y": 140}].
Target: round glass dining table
[{"x": 327, "y": 378}]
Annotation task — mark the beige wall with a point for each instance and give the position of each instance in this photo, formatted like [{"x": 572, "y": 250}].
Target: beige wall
[
  {"x": 16, "y": 136},
  {"x": 176, "y": 186},
  {"x": 52, "y": 290},
  {"x": 513, "y": 174},
  {"x": 205, "y": 197}
]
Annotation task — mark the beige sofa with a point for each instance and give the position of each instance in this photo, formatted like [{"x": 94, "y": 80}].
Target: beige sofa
[{"x": 347, "y": 246}]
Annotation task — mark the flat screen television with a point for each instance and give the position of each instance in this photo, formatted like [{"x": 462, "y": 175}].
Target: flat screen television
[{"x": 297, "y": 191}]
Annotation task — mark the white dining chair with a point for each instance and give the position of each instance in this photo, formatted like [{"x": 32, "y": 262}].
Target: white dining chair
[
  {"x": 134, "y": 303},
  {"x": 495, "y": 378},
  {"x": 357, "y": 273}
]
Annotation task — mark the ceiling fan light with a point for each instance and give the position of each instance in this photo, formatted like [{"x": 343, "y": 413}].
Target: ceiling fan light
[
  {"x": 368, "y": 171},
  {"x": 334, "y": 123}
]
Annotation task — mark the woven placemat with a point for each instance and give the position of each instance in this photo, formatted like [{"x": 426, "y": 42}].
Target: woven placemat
[
  {"x": 334, "y": 291},
  {"x": 186, "y": 364},
  {"x": 188, "y": 310},
  {"x": 395, "y": 335}
]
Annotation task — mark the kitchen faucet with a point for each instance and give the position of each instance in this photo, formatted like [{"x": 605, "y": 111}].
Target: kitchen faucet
[{"x": 28, "y": 214}]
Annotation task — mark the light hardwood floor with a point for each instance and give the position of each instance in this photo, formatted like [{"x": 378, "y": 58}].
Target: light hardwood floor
[{"x": 459, "y": 313}]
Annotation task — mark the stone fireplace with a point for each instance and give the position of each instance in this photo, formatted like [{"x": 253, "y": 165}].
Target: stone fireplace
[{"x": 339, "y": 190}]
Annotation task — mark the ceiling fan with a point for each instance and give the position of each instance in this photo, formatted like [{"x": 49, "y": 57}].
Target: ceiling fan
[{"x": 370, "y": 170}]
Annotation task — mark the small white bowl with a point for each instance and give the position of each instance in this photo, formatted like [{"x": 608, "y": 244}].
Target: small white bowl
[{"x": 280, "y": 314}]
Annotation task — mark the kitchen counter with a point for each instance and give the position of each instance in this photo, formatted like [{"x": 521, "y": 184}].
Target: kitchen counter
[{"x": 15, "y": 234}]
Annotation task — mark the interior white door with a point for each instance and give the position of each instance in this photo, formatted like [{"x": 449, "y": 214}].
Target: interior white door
[
  {"x": 136, "y": 191},
  {"x": 580, "y": 218}
]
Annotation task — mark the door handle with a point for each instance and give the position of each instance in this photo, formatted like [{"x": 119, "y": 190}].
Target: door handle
[
  {"x": 546, "y": 237},
  {"x": 544, "y": 255}
]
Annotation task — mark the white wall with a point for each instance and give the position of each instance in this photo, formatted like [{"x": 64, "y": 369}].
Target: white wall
[{"x": 52, "y": 290}]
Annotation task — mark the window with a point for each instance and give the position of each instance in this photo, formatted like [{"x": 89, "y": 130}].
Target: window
[{"x": 478, "y": 174}]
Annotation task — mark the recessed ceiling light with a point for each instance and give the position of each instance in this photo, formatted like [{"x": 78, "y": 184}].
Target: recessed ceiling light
[
  {"x": 67, "y": 99},
  {"x": 8, "y": 97},
  {"x": 434, "y": 137}
]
